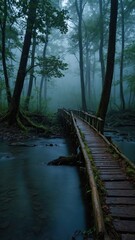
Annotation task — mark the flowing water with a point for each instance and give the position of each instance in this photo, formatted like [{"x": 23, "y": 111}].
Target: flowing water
[{"x": 38, "y": 201}]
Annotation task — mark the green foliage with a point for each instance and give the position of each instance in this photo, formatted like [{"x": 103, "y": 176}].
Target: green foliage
[
  {"x": 2, "y": 84},
  {"x": 131, "y": 82},
  {"x": 130, "y": 171},
  {"x": 14, "y": 15},
  {"x": 52, "y": 67},
  {"x": 13, "y": 23},
  {"x": 130, "y": 54},
  {"x": 49, "y": 17}
]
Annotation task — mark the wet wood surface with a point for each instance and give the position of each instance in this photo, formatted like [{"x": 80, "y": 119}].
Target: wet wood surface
[{"x": 120, "y": 192}]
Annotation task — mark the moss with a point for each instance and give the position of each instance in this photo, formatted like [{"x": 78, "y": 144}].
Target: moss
[
  {"x": 99, "y": 183},
  {"x": 130, "y": 172},
  {"x": 21, "y": 125},
  {"x": 102, "y": 193}
]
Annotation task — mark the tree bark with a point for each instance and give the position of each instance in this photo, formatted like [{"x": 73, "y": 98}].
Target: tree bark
[
  {"x": 88, "y": 75},
  {"x": 43, "y": 78},
  {"x": 15, "y": 102},
  {"x": 122, "y": 57},
  {"x": 101, "y": 55},
  {"x": 103, "y": 106},
  {"x": 27, "y": 100},
  {"x": 3, "y": 51},
  {"x": 79, "y": 8}
]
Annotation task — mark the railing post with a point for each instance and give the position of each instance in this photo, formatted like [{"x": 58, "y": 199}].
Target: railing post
[
  {"x": 96, "y": 122},
  {"x": 101, "y": 126}
]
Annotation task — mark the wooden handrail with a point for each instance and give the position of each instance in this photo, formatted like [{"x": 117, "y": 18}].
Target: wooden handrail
[
  {"x": 98, "y": 213},
  {"x": 94, "y": 121},
  {"x": 72, "y": 121}
]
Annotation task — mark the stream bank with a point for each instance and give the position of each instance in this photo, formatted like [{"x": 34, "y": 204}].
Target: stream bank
[{"x": 120, "y": 128}]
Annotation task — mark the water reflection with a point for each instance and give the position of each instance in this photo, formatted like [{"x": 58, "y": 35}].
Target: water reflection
[{"x": 39, "y": 201}]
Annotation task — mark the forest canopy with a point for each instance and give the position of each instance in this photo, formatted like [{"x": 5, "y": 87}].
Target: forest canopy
[{"x": 31, "y": 23}]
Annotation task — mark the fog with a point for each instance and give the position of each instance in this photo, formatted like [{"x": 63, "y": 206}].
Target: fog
[{"x": 65, "y": 91}]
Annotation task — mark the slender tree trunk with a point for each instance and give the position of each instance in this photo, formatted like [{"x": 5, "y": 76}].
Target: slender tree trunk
[
  {"x": 88, "y": 67},
  {"x": 122, "y": 57},
  {"x": 130, "y": 97},
  {"x": 45, "y": 89},
  {"x": 15, "y": 102},
  {"x": 43, "y": 78},
  {"x": 88, "y": 77},
  {"x": 3, "y": 51},
  {"x": 103, "y": 106},
  {"x": 79, "y": 9},
  {"x": 40, "y": 90},
  {"x": 101, "y": 54},
  {"x": 0, "y": 92},
  {"x": 26, "y": 106}
]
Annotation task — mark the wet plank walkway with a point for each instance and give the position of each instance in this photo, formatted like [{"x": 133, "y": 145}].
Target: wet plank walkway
[{"x": 120, "y": 192}]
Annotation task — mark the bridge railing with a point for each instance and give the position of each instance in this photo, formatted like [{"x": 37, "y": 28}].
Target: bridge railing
[
  {"x": 65, "y": 114},
  {"x": 96, "y": 122},
  {"x": 69, "y": 120}
]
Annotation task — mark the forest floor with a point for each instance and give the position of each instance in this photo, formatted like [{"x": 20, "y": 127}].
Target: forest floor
[
  {"x": 121, "y": 119},
  {"x": 122, "y": 122},
  {"x": 14, "y": 133},
  {"x": 116, "y": 121}
]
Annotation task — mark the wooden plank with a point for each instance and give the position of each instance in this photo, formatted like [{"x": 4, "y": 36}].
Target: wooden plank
[
  {"x": 99, "y": 146},
  {"x": 107, "y": 167},
  {"x": 93, "y": 145},
  {"x": 120, "y": 201},
  {"x": 92, "y": 138},
  {"x": 107, "y": 158},
  {"x": 111, "y": 172},
  {"x": 121, "y": 192},
  {"x": 118, "y": 185},
  {"x": 105, "y": 161},
  {"x": 123, "y": 211},
  {"x": 98, "y": 150},
  {"x": 124, "y": 226},
  {"x": 99, "y": 153},
  {"x": 113, "y": 177},
  {"x": 107, "y": 164}
]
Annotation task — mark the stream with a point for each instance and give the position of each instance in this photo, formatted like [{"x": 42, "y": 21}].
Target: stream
[
  {"x": 38, "y": 201},
  {"x": 41, "y": 202}
]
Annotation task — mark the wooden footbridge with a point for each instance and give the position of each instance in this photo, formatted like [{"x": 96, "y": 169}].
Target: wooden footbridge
[{"x": 112, "y": 189}]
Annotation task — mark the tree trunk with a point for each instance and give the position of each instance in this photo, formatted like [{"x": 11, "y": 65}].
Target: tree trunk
[
  {"x": 103, "y": 106},
  {"x": 122, "y": 57},
  {"x": 15, "y": 102},
  {"x": 27, "y": 100},
  {"x": 88, "y": 76},
  {"x": 79, "y": 9},
  {"x": 45, "y": 89},
  {"x": 3, "y": 51},
  {"x": 40, "y": 91},
  {"x": 87, "y": 68},
  {"x": 101, "y": 55},
  {"x": 43, "y": 78}
]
